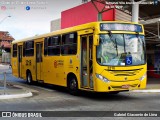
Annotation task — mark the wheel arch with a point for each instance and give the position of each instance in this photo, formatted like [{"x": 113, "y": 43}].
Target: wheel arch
[
  {"x": 28, "y": 71},
  {"x": 71, "y": 75}
]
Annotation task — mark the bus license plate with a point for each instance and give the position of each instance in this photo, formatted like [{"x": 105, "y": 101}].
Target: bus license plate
[{"x": 125, "y": 86}]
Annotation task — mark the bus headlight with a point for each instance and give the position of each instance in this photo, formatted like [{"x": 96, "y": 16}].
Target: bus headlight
[
  {"x": 102, "y": 78},
  {"x": 144, "y": 76}
]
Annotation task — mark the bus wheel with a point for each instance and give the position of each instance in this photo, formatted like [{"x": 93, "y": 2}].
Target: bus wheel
[
  {"x": 29, "y": 78},
  {"x": 73, "y": 86}
]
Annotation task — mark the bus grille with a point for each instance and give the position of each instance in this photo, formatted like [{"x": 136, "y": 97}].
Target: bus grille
[{"x": 125, "y": 72}]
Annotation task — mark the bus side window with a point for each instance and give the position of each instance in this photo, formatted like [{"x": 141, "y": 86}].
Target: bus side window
[
  {"x": 29, "y": 48},
  {"x": 24, "y": 47},
  {"x": 69, "y": 44},
  {"x": 53, "y": 47},
  {"x": 46, "y": 46},
  {"x": 14, "y": 50}
]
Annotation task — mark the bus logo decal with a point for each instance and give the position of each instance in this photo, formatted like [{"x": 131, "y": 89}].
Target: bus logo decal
[{"x": 28, "y": 62}]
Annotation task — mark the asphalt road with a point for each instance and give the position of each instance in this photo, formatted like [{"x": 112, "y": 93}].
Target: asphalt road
[{"x": 53, "y": 98}]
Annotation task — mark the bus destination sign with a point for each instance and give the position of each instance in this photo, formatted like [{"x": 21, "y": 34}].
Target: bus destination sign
[{"x": 120, "y": 27}]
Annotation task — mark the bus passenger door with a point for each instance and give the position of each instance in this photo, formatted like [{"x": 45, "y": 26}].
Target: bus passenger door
[
  {"x": 39, "y": 61},
  {"x": 20, "y": 61},
  {"x": 86, "y": 61}
]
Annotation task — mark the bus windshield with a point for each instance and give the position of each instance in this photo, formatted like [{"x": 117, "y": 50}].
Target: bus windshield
[{"x": 121, "y": 50}]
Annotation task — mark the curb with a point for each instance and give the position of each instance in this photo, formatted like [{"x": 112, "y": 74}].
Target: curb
[
  {"x": 29, "y": 94},
  {"x": 146, "y": 91}
]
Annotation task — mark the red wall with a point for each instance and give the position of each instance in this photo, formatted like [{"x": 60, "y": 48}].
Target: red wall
[
  {"x": 83, "y": 14},
  {"x": 109, "y": 15}
]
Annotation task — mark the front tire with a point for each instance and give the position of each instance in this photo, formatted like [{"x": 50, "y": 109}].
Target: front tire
[
  {"x": 29, "y": 78},
  {"x": 73, "y": 86}
]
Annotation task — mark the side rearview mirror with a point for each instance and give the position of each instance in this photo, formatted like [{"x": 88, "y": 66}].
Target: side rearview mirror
[{"x": 96, "y": 40}]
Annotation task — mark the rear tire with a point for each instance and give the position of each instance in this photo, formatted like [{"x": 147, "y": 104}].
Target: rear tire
[
  {"x": 73, "y": 86},
  {"x": 29, "y": 78}
]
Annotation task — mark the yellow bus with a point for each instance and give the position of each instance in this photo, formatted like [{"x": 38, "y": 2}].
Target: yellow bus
[{"x": 107, "y": 56}]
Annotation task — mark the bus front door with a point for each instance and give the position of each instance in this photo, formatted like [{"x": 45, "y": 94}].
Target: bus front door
[
  {"x": 39, "y": 61},
  {"x": 86, "y": 61},
  {"x": 20, "y": 61}
]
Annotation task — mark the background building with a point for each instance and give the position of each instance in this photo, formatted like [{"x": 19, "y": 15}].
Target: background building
[
  {"x": 88, "y": 12},
  {"x": 5, "y": 46},
  {"x": 55, "y": 25}
]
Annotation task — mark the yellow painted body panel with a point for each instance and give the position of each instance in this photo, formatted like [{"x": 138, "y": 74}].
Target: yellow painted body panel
[
  {"x": 14, "y": 63},
  {"x": 54, "y": 69},
  {"x": 57, "y": 68}
]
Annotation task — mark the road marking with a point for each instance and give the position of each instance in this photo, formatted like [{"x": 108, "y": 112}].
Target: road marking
[
  {"x": 25, "y": 88},
  {"x": 47, "y": 89},
  {"x": 147, "y": 91}
]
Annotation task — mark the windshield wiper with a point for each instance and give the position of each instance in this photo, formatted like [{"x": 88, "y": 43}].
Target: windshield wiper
[
  {"x": 111, "y": 36},
  {"x": 113, "y": 41},
  {"x": 116, "y": 46}
]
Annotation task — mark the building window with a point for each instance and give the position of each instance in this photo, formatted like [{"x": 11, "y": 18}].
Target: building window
[
  {"x": 52, "y": 46},
  {"x": 69, "y": 44},
  {"x": 29, "y": 48},
  {"x": 14, "y": 50}
]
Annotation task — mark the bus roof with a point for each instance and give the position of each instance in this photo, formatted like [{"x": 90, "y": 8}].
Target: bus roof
[{"x": 70, "y": 29}]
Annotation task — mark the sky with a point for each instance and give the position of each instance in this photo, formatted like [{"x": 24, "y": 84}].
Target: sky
[{"x": 31, "y": 17}]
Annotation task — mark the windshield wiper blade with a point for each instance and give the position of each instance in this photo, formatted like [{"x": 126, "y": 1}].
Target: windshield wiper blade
[
  {"x": 111, "y": 36},
  {"x": 113, "y": 41},
  {"x": 116, "y": 46}
]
